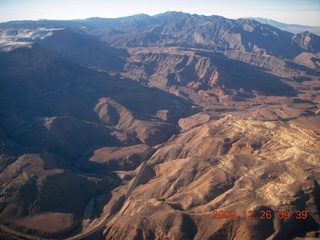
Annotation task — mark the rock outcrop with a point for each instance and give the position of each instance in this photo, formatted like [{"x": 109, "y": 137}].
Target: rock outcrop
[
  {"x": 221, "y": 116},
  {"x": 228, "y": 164}
]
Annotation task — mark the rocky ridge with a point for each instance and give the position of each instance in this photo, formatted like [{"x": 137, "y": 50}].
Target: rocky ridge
[
  {"x": 226, "y": 112},
  {"x": 227, "y": 164}
]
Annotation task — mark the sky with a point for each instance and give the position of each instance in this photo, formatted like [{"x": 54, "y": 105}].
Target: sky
[{"x": 304, "y": 12}]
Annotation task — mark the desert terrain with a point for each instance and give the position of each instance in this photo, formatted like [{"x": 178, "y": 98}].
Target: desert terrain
[{"x": 173, "y": 126}]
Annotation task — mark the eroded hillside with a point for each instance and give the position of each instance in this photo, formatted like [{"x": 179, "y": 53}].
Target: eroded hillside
[
  {"x": 227, "y": 164},
  {"x": 142, "y": 127}
]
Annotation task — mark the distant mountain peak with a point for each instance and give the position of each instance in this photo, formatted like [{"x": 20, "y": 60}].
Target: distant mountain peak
[
  {"x": 172, "y": 13},
  {"x": 140, "y": 16},
  {"x": 294, "y": 28},
  {"x": 268, "y": 21}
]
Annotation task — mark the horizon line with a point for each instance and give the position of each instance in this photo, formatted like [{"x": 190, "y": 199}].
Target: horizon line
[{"x": 137, "y": 14}]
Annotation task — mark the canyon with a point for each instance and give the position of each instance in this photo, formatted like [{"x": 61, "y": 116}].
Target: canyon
[{"x": 221, "y": 115}]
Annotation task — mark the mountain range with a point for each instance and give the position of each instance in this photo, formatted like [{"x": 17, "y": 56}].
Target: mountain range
[
  {"x": 294, "y": 28},
  {"x": 144, "y": 127}
]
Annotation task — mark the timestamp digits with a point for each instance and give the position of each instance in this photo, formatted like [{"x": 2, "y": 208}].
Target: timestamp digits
[{"x": 263, "y": 214}]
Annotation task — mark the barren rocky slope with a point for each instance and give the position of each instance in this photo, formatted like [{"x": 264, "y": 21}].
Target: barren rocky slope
[
  {"x": 54, "y": 112},
  {"x": 208, "y": 32},
  {"x": 228, "y": 164},
  {"x": 225, "y": 112}
]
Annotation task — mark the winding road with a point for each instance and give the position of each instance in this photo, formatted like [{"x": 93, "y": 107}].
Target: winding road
[{"x": 102, "y": 224}]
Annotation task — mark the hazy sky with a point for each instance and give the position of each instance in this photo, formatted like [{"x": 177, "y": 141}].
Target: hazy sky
[{"x": 306, "y": 12}]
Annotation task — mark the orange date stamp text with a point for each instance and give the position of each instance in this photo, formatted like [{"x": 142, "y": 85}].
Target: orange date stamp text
[{"x": 262, "y": 214}]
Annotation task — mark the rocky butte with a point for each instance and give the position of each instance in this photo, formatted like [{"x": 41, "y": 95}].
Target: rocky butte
[{"x": 173, "y": 126}]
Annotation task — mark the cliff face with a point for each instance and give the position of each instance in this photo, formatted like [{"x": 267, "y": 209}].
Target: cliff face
[
  {"x": 307, "y": 41},
  {"x": 213, "y": 73}
]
